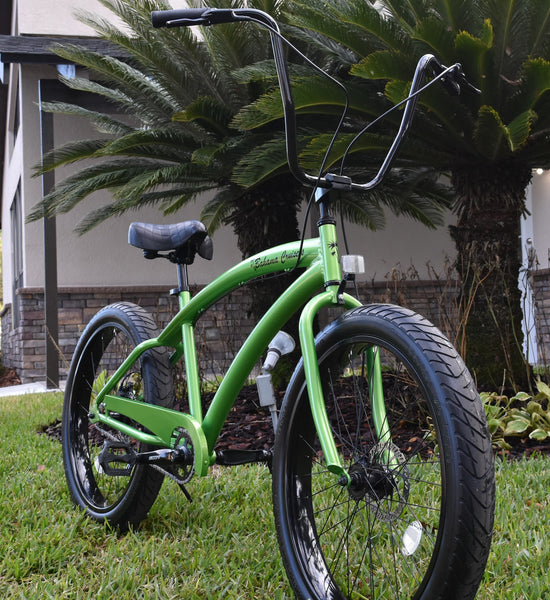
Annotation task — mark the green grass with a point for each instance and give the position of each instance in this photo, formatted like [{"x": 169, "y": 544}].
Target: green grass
[{"x": 220, "y": 546}]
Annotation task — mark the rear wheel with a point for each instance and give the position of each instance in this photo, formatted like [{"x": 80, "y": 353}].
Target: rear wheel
[
  {"x": 110, "y": 489},
  {"x": 416, "y": 520}
]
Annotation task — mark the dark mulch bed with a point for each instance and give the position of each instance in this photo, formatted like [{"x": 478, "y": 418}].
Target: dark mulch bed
[
  {"x": 524, "y": 448},
  {"x": 248, "y": 426}
]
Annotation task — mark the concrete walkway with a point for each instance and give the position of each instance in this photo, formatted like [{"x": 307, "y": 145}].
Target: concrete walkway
[{"x": 27, "y": 388}]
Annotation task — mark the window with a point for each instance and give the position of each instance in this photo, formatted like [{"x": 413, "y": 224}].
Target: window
[
  {"x": 16, "y": 115},
  {"x": 17, "y": 256}
]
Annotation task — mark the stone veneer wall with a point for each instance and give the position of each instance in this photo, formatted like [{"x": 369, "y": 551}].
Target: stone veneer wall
[
  {"x": 220, "y": 330},
  {"x": 540, "y": 285}
]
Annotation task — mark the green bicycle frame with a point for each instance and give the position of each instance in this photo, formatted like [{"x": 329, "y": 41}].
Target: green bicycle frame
[{"x": 321, "y": 260}]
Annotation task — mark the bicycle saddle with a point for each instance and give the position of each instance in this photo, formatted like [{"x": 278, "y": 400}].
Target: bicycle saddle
[{"x": 181, "y": 240}]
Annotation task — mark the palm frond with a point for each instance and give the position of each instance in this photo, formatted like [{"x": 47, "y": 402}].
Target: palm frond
[
  {"x": 217, "y": 209},
  {"x": 390, "y": 32},
  {"x": 72, "y": 190},
  {"x": 458, "y": 15},
  {"x": 472, "y": 53},
  {"x": 208, "y": 113},
  {"x": 386, "y": 64},
  {"x": 163, "y": 143},
  {"x": 184, "y": 175},
  {"x": 491, "y": 135},
  {"x": 68, "y": 153},
  {"x": 173, "y": 57},
  {"x": 331, "y": 55},
  {"x": 509, "y": 19},
  {"x": 132, "y": 88},
  {"x": 102, "y": 122},
  {"x": 262, "y": 162},
  {"x": 520, "y": 128},
  {"x": 314, "y": 95},
  {"x": 435, "y": 33},
  {"x": 263, "y": 71},
  {"x": 535, "y": 84},
  {"x": 319, "y": 19},
  {"x": 415, "y": 193},
  {"x": 538, "y": 32},
  {"x": 363, "y": 209}
]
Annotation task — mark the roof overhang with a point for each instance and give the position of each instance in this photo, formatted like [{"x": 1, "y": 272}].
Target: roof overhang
[{"x": 38, "y": 49}]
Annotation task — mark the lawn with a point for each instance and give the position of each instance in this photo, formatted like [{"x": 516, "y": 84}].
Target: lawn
[{"x": 221, "y": 545}]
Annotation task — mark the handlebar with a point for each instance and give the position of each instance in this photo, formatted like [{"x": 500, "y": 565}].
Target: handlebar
[
  {"x": 452, "y": 77},
  {"x": 192, "y": 16}
]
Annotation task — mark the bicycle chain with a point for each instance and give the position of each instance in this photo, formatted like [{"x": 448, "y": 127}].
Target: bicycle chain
[{"x": 108, "y": 435}]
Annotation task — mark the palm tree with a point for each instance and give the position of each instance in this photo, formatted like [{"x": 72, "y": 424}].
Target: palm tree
[
  {"x": 180, "y": 95},
  {"x": 487, "y": 143},
  {"x": 183, "y": 93}
]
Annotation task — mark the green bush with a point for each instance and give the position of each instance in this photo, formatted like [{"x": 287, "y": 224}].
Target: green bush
[{"x": 522, "y": 415}]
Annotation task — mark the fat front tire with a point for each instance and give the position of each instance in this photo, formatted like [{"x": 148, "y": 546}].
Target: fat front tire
[
  {"x": 417, "y": 517},
  {"x": 124, "y": 495}
]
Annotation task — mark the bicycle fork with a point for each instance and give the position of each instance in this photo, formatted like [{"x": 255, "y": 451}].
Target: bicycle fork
[{"x": 334, "y": 296}]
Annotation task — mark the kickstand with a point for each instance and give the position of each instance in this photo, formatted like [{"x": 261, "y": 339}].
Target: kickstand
[{"x": 185, "y": 492}]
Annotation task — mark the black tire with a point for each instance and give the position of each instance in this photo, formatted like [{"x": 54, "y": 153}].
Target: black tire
[
  {"x": 123, "y": 499},
  {"x": 417, "y": 527}
]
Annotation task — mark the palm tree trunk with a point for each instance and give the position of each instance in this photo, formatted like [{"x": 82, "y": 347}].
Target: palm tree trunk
[{"x": 490, "y": 202}]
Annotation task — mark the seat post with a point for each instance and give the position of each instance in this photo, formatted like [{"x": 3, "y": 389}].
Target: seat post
[{"x": 183, "y": 280}]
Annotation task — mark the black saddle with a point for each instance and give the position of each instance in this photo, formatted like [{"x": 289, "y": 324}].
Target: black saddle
[{"x": 181, "y": 241}]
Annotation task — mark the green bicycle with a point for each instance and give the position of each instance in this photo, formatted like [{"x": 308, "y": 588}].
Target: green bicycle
[{"x": 383, "y": 483}]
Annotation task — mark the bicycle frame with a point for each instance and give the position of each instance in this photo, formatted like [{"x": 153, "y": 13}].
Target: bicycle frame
[{"x": 321, "y": 259}]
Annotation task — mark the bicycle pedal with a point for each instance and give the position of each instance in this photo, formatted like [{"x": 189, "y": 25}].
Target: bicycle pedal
[{"x": 108, "y": 457}]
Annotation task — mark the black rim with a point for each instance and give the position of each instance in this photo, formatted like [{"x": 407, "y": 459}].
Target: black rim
[{"x": 102, "y": 354}]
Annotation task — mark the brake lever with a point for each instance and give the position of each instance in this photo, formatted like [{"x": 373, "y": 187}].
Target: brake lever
[
  {"x": 463, "y": 81},
  {"x": 454, "y": 79}
]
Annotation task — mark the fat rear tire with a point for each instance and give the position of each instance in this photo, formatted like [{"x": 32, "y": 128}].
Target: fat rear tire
[{"x": 122, "y": 500}]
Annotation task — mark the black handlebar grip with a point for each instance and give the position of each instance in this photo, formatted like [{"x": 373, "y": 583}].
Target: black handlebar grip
[
  {"x": 160, "y": 18},
  {"x": 194, "y": 16}
]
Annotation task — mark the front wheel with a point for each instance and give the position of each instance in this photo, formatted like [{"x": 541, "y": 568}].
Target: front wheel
[{"x": 416, "y": 519}]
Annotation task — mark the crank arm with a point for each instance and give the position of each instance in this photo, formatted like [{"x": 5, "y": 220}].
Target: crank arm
[
  {"x": 230, "y": 458},
  {"x": 161, "y": 422}
]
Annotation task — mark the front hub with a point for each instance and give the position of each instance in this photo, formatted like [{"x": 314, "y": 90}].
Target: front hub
[{"x": 381, "y": 480}]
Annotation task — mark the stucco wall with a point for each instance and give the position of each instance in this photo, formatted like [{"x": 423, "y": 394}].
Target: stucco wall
[{"x": 56, "y": 17}]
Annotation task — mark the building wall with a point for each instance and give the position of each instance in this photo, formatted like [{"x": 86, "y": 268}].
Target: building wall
[
  {"x": 103, "y": 256},
  {"x": 220, "y": 331},
  {"x": 539, "y": 281},
  {"x": 540, "y": 217},
  {"x": 56, "y": 17}
]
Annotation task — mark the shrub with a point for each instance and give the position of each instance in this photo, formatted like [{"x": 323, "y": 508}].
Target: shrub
[{"x": 523, "y": 415}]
